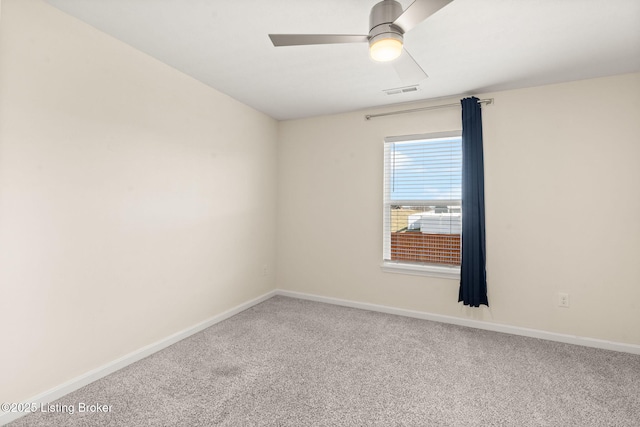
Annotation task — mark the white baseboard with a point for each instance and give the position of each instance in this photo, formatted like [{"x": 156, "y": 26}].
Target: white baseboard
[
  {"x": 496, "y": 327},
  {"x": 91, "y": 376}
]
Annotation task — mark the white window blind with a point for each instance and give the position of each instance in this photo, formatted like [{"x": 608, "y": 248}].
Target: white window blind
[{"x": 422, "y": 199}]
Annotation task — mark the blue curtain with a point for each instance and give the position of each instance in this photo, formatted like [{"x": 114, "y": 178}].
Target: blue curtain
[{"x": 473, "y": 278}]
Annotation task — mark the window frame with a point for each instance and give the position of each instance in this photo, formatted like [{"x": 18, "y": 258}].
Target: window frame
[{"x": 388, "y": 266}]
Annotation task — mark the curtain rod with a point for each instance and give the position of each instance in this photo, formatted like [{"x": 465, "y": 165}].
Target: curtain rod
[{"x": 487, "y": 101}]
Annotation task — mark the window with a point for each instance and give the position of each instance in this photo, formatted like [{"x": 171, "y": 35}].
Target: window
[{"x": 422, "y": 204}]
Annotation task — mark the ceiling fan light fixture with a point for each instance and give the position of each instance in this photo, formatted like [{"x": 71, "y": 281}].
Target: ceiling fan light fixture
[{"x": 385, "y": 49}]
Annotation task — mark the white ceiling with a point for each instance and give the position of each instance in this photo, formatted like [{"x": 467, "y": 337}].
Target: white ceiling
[{"x": 468, "y": 47}]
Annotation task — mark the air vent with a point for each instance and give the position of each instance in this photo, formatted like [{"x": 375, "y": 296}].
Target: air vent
[{"x": 399, "y": 90}]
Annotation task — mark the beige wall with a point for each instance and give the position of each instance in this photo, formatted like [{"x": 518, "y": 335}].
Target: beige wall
[
  {"x": 134, "y": 201},
  {"x": 562, "y": 201}
]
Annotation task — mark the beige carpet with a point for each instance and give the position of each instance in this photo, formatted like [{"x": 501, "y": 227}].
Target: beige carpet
[{"x": 289, "y": 362}]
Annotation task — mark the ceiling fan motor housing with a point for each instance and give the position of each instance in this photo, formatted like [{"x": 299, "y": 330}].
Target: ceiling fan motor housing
[{"x": 381, "y": 21}]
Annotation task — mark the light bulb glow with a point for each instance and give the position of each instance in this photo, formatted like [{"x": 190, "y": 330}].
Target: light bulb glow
[{"x": 385, "y": 49}]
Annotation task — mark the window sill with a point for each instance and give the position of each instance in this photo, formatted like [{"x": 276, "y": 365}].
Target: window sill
[{"x": 421, "y": 270}]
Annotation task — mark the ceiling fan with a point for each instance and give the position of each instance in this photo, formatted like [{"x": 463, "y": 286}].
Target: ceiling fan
[{"x": 387, "y": 25}]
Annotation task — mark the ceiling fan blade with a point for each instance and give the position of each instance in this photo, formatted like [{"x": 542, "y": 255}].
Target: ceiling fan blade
[
  {"x": 306, "y": 39},
  {"x": 418, "y": 11},
  {"x": 408, "y": 69}
]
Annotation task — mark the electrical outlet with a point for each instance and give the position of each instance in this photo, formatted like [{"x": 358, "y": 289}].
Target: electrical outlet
[
  {"x": 563, "y": 300},
  {"x": 265, "y": 270}
]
